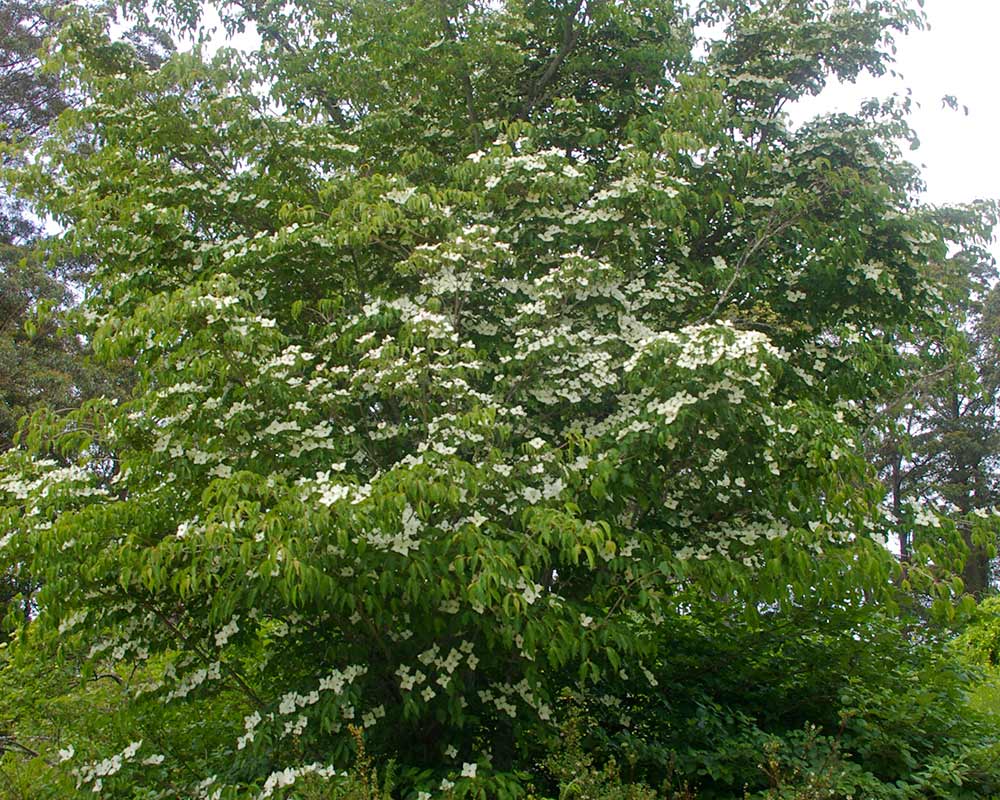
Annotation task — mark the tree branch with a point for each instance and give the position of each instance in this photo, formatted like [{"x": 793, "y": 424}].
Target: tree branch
[
  {"x": 470, "y": 99},
  {"x": 762, "y": 238},
  {"x": 9, "y": 743},
  {"x": 908, "y": 394},
  {"x": 570, "y": 36},
  {"x": 193, "y": 647},
  {"x": 274, "y": 32},
  {"x": 772, "y": 229}
]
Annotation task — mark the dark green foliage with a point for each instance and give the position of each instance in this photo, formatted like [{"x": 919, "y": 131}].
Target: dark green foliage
[
  {"x": 42, "y": 361},
  {"x": 29, "y": 100},
  {"x": 838, "y": 702}
]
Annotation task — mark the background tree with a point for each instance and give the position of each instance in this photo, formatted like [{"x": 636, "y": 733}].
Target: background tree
[
  {"x": 43, "y": 359},
  {"x": 940, "y": 452},
  {"x": 41, "y": 362},
  {"x": 29, "y": 100},
  {"x": 42, "y": 365}
]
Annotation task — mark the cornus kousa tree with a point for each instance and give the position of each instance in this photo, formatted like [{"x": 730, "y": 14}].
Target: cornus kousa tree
[{"x": 473, "y": 343}]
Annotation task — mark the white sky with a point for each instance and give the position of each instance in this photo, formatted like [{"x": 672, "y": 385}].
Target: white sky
[{"x": 958, "y": 55}]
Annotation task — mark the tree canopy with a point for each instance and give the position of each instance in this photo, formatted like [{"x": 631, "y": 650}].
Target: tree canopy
[{"x": 479, "y": 350}]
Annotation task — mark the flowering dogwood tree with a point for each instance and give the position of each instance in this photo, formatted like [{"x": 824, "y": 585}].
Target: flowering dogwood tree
[{"x": 472, "y": 341}]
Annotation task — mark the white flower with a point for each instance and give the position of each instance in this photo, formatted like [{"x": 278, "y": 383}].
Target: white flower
[
  {"x": 67, "y": 753},
  {"x": 469, "y": 770},
  {"x": 400, "y": 196},
  {"x": 132, "y": 749},
  {"x": 221, "y": 471},
  {"x": 333, "y": 493},
  {"x": 228, "y": 630}
]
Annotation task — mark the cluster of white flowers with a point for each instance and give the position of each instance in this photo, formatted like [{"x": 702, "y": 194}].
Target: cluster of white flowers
[
  {"x": 287, "y": 777},
  {"x": 446, "y": 667},
  {"x": 986, "y": 513},
  {"x": 192, "y": 680},
  {"x": 402, "y": 541},
  {"x": 70, "y": 622},
  {"x": 226, "y": 631},
  {"x": 293, "y": 703},
  {"x": 95, "y": 772},
  {"x": 720, "y": 540},
  {"x": 700, "y": 346},
  {"x": 503, "y": 697},
  {"x": 74, "y": 481},
  {"x": 922, "y": 515}
]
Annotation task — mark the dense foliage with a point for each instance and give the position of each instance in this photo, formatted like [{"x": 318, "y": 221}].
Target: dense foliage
[{"x": 486, "y": 353}]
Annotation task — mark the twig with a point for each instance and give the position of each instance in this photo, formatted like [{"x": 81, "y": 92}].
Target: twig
[
  {"x": 332, "y": 108},
  {"x": 8, "y": 743},
  {"x": 762, "y": 238},
  {"x": 908, "y": 394}
]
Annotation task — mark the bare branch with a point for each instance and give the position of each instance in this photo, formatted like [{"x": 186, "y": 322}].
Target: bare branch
[{"x": 7, "y": 742}]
